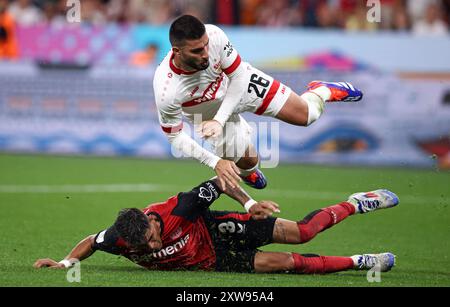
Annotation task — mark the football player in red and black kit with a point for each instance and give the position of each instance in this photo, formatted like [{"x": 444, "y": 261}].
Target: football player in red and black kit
[{"x": 182, "y": 233}]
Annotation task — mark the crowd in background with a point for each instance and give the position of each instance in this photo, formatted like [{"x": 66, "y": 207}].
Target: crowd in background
[{"x": 419, "y": 16}]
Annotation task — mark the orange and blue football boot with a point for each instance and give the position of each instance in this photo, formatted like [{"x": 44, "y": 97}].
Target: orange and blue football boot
[
  {"x": 340, "y": 91},
  {"x": 370, "y": 201},
  {"x": 256, "y": 180}
]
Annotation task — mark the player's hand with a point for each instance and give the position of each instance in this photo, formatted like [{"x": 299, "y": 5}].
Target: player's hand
[
  {"x": 263, "y": 209},
  {"x": 210, "y": 128},
  {"x": 48, "y": 263},
  {"x": 228, "y": 174}
]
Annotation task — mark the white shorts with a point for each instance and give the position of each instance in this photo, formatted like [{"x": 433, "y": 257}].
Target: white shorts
[
  {"x": 235, "y": 140},
  {"x": 264, "y": 95}
]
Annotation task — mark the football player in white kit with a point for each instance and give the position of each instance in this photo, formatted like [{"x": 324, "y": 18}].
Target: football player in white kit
[{"x": 203, "y": 78}]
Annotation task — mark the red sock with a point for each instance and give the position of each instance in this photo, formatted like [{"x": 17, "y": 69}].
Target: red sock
[
  {"x": 315, "y": 264},
  {"x": 322, "y": 219}
]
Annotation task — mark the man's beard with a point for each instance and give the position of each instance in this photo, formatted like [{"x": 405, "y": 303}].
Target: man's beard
[{"x": 198, "y": 66}]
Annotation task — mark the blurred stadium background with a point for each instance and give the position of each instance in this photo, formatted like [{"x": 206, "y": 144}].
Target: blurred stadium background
[
  {"x": 66, "y": 87},
  {"x": 85, "y": 88}
]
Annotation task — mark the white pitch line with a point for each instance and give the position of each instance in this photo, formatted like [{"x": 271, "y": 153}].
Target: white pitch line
[{"x": 150, "y": 187}]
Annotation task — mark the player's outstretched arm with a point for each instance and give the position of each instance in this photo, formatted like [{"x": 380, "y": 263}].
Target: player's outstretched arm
[
  {"x": 170, "y": 117},
  {"x": 258, "y": 210},
  {"x": 226, "y": 170},
  {"x": 228, "y": 174},
  {"x": 80, "y": 252}
]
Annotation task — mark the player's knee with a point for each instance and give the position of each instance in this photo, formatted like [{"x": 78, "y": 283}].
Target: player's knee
[
  {"x": 297, "y": 118},
  {"x": 275, "y": 262},
  {"x": 247, "y": 162},
  {"x": 294, "y": 111},
  {"x": 303, "y": 113},
  {"x": 301, "y": 120}
]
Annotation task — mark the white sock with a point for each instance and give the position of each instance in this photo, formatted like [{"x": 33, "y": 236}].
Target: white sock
[
  {"x": 323, "y": 92},
  {"x": 355, "y": 204},
  {"x": 355, "y": 260},
  {"x": 246, "y": 172},
  {"x": 316, "y": 102}
]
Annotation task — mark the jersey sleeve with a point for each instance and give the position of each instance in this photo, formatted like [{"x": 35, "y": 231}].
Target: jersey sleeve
[
  {"x": 229, "y": 56},
  {"x": 170, "y": 119},
  {"x": 193, "y": 203},
  {"x": 107, "y": 241},
  {"x": 169, "y": 113}
]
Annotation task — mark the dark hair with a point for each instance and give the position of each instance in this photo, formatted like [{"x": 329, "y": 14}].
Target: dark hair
[
  {"x": 185, "y": 27},
  {"x": 132, "y": 224}
]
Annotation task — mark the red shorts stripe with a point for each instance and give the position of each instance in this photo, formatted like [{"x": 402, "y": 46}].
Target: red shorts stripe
[
  {"x": 233, "y": 66},
  {"x": 172, "y": 129},
  {"x": 269, "y": 97}
]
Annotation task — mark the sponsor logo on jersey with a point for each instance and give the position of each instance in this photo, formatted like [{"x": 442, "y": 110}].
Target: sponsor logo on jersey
[
  {"x": 194, "y": 91},
  {"x": 167, "y": 251},
  {"x": 208, "y": 94},
  {"x": 172, "y": 249},
  {"x": 212, "y": 189},
  {"x": 228, "y": 48}
]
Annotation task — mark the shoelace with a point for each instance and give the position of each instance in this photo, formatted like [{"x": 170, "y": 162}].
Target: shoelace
[
  {"x": 369, "y": 261},
  {"x": 369, "y": 204}
]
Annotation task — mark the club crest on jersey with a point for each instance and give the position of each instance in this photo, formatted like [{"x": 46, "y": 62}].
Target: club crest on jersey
[{"x": 205, "y": 193}]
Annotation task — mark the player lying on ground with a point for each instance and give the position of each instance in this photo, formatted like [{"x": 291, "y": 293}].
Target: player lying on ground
[
  {"x": 203, "y": 76},
  {"x": 182, "y": 233}
]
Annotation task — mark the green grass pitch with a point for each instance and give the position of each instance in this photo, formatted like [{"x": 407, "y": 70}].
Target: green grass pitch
[{"x": 49, "y": 203}]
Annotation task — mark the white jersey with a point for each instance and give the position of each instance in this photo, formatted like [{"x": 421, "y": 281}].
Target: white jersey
[
  {"x": 180, "y": 93},
  {"x": 221, "y": 92}
]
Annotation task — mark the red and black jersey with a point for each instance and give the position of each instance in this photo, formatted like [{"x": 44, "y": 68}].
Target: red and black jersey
[{"x": 186, "y": 242}]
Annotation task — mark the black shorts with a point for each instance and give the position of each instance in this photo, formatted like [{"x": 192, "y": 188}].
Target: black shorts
[{"x": 236, "y": 238}]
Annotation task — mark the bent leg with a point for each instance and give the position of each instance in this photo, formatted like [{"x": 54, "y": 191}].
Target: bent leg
[
  {"x": 249, "y": 161},
  {"x": 271, "y": 262},
  {"x": 249, "y": 168},
  {"x": 236, "y": 145},
  {"x": 290, "y": 232},
  {"x": 322, "y": 219},
  {"x": 305, "y": 109},
  {"x": 294, "y": 111}
]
